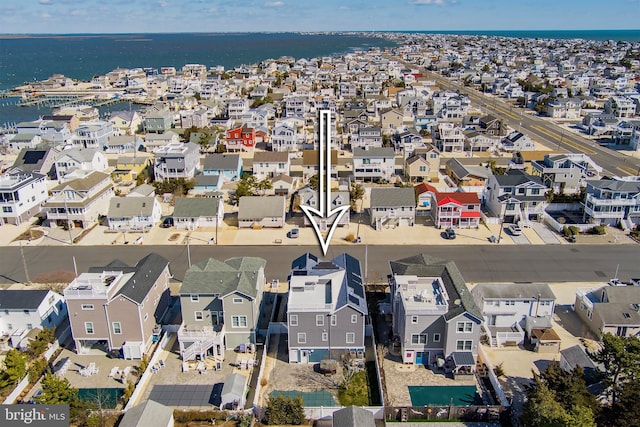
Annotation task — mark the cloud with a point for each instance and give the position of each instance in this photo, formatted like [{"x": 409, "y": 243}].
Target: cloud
[
  {"x": 426, "y": 2},
  {"x": 274, "y": 4},
  {"x": 45, "y": 15},
  {"x": 163, "y": 3},
  {"x": 47, "y": 2},
  {"x": 78, "y": 12}
]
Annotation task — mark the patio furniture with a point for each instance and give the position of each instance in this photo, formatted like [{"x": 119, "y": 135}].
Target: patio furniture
[
  {"x": 161, "y": 363},
  {"x": 114, "y": 371},
  {"x": 125, "y": 372}
]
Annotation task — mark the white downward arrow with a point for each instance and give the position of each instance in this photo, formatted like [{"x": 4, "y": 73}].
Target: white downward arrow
[{"x": 324, "y": 186}]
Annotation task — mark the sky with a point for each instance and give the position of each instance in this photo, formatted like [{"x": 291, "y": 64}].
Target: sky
[{"x": 159, "y": 16}]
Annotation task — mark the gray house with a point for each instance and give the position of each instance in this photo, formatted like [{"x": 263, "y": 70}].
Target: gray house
[
  {"x": 220, "y": 306},
  {"x": 435, "y": 319},
  {"x": 516, "y": 197},
  {"x": 119, "y": 304},
  {"x": 309, "y": 197},
  {"x": 233, "y": 392},
  {"x": 260, "y": 211},
  {"x": 148, "y": 413},
  {"x": 391, "y": 207},
  {"x": 566, "y": 173},
  {"x": 326, "y": 309},
  {"x": 191, "y": 213}
]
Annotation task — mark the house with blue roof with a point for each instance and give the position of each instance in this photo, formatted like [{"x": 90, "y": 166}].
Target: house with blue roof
[{"x": 326, "y": 310}]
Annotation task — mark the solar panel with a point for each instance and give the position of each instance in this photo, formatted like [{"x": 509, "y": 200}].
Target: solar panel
[
  {"x": 33, "y": 157},
  {"x": 354, "y": 300}
]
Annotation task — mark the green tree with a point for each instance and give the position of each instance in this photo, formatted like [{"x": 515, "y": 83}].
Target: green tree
[
  {"x": 56, "y": 391},
  {"x": 246, "y": 186},
  {"x": 626, "y": 411},
  {"x": 314, "y": 181},
  {"x": 41, "y": 342},
  {"x": 284, "y": 410},
  {"x": 264, "y": 185},
  {"x": 128, "y": 392},
  {"x": 620, "y": 359},
  {"x": 542, "y": 409},
  {"x": 570, "y": 388},
  {"x": 205, "y": 141},
  {"x": 15, "y": 366},
  {"x": 36, "y": 369},
  {"x": 356, "y": 193},
  {"x": 178, "y": 186}
]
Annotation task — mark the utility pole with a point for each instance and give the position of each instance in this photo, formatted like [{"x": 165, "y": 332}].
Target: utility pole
[{"x": 24, "y": 264}]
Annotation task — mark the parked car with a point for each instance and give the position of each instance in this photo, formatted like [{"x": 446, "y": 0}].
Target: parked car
[
  {"x": 449, "y": 233},
  {"x": 514, "y": 229},
  {"x": 167, "y": 223},
  {"x": 294, "y": 233}
]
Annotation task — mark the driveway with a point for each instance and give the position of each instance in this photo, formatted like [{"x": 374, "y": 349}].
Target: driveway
[{"x": 545, "y": 233}]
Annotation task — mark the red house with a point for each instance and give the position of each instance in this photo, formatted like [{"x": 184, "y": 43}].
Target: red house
[
  {"x": 241, "y": 138},
  {"x": 456, "y": 210}
]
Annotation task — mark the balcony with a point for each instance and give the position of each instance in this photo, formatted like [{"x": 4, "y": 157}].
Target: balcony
[
  {"x": 202, "y": 333},
  {"x": 610, "y": 202}
]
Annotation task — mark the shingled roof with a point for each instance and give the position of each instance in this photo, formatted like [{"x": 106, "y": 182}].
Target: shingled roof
[
  {"x": 424, "y": 265},
  {"x": 212, "y": 276},
  {"x": 145, "y": 274}
]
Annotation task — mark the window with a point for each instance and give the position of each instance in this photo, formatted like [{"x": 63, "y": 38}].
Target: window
[
  {"x": 238, "y": 321},
  {"x": 293, "y": 320},
  {"x": 88, "y": 328},
  {"x": 302, "y": 337},
  {"x": 464, "y": 344},
  {"x": 414, "y": 320},
  {"x": 325, "y": 336},
  {"x": 354, "y": 318},
  {"x": 237, "y": 300},
  {"x": 422, "y": 168},
  {"x": 351, "y": 337},
  {"x": 26, "y": 312},
  {"x": 319, "y": 320},
  {"x": 195, "y": 298},
  {"x": 199, "y": 316},
  {"x": 7, "y": 209},
  {"x": 436, "y": 337},
  {"x": 465, "y": 327},
  {"x": 87, "y": 306},
  {"x": 334, "y": 320},
  {"x": 30, "y": 325},
  {"x": 418, "y": 338},
  {"x": 117, "y": 328}
]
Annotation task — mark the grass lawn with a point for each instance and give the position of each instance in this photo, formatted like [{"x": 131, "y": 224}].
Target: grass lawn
[{"x": 357, "y": 393}]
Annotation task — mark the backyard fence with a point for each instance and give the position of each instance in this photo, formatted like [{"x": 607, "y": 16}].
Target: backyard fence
[{"x": 451, "y": 412}]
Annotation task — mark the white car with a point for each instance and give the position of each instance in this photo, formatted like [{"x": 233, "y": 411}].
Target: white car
[{"x": 514, "y": 229}]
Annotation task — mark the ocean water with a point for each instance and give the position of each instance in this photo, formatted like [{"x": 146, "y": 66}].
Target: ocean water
[
  {"x": 616, "y": 35},
  {"x": 36, "y": 57}
]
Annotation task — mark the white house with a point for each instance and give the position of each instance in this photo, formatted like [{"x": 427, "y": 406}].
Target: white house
[
  {"x": 133, "y": 213},
  {"x": 22, "y": 310},
  {"x": 21, "y": 196},
  {"x": 267, "y": 164},
  {"x": 86, "y": 159},
  {"x": 506, "y": 306},
  {"x": 373, "y": 163}
]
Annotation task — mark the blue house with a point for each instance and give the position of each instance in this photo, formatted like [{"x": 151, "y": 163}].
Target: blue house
[{"x": 227, "y": 166}]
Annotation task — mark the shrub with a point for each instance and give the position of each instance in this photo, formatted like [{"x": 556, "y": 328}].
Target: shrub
[
  {"x": 574, "y": 230},
  {"x": 350, "y": 237},
  {"x": 143, "y": 365},
  {"x": 284, "y": 410},
  {"x": 598, "y": 230},
  {"x": 499, "y": 370},
  {"x": 263, "y": 382}
]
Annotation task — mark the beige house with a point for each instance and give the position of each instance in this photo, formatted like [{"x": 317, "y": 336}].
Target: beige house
[
  {"x": 390, "y": 120},
  {"x": 609, "y": 309},
  {"x": 79, "y": 202},
  {"x": 423, "y": 165},
  {"x": 120, "y": 305}
]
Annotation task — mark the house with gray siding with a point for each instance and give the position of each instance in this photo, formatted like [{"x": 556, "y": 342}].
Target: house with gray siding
[
  {"x": 326, "y": 309},
  {"x": 176, "y": 160},
  {"x": 220, "y": 304},
  {"x": 392, "y": 207},
  {"x": 119, "y": 304},
  {"x": 261, "y": 211},
  {"x": 435, "y": 319}
]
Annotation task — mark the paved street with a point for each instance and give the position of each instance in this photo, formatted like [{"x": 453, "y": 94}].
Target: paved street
[
  {"x": 544, "y": 131},
  {"x": 478, "y": 263}
]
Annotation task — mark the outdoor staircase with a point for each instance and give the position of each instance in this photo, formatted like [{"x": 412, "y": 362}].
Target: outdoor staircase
[
  {"x": 626, "y": 224},
  {"x": 199, "y": 347}
]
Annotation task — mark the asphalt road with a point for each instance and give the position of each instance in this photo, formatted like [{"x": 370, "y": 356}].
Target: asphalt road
[
  {"x": 544, "y": 131},
  {"x": 525, "y": 263}
]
